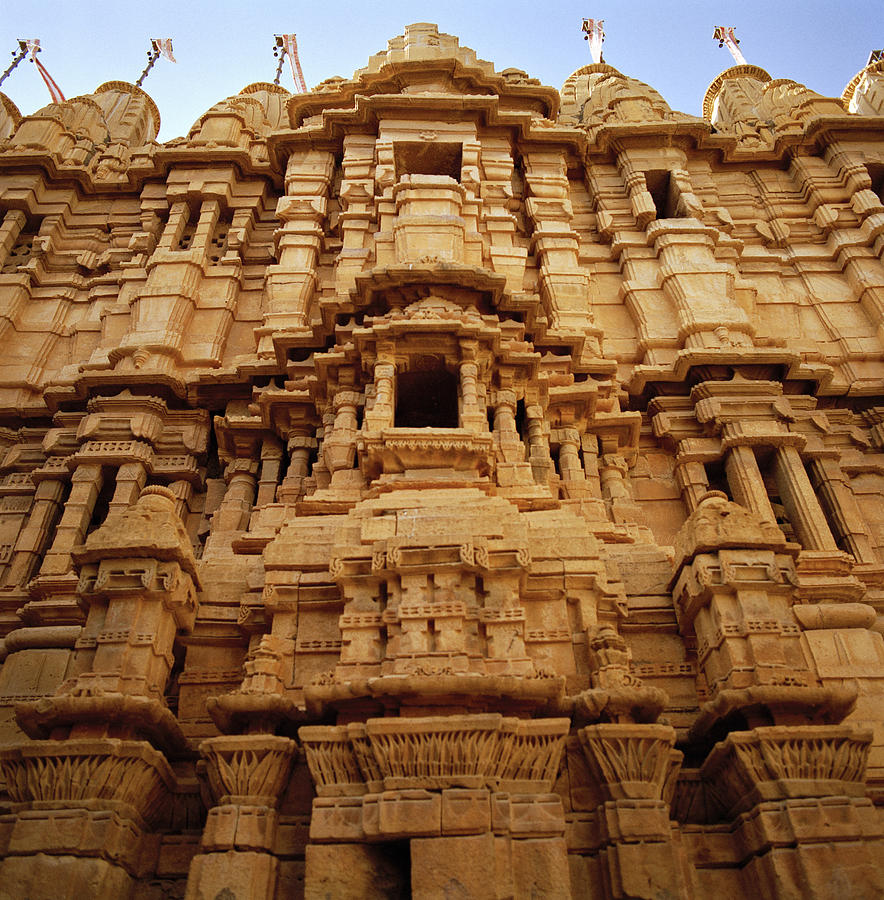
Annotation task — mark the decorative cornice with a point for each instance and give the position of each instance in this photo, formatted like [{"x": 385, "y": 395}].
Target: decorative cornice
[{"x": 267, "y": 86}]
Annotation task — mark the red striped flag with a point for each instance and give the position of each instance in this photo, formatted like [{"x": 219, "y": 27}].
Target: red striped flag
[
  {"x": 290, "y": 43},
  {"x": 54, "y": 90}
]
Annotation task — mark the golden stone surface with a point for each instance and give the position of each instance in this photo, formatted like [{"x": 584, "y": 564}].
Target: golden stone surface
[{"x": 439, "y": 485}]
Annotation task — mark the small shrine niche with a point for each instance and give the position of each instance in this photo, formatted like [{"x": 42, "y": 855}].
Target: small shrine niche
[
  {"x": 426, "y": 398},
  {"x": 428, "y": 158}
]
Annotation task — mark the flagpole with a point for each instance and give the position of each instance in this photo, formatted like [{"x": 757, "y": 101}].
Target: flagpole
[
  {"x": 152, "y": 56},
  {"x": 287, "y": 47},
  {"x": 280, "y": 45},
  {"x": 18, "y": 57}
]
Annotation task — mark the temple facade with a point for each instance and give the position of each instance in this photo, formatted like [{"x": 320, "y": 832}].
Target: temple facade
[{"x": 440, "y": 485}]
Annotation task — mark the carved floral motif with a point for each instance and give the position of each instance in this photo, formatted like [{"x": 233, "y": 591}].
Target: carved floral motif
[
  {"x": 436, "y": 752},
  {"x": 124, "y": 774},
  {"x": 797, "y": 761},
  {"x": 248, "y": 768},
  {"x": 631, "y": 761}
]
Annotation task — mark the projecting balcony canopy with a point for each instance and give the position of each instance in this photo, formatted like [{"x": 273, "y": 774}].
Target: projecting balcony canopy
[
  {"x": 385, "y": 285},
  {"x": 394, "y": 451}
]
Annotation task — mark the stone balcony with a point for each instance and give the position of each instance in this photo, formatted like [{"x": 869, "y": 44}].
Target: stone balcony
[{"x": 435, "y": 452}]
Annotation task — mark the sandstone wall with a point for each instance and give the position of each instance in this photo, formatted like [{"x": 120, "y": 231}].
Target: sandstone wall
[{"x": 442, "y": 485}]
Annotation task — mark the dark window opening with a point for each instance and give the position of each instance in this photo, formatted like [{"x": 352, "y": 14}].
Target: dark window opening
[
  {"x": 876, "y": 173},
  {"x": 428, "y": 158},
  {"x": 717, "y": 477},
  {"x": 782, "y": 518},
  {"x": 664, "y": 193},
  {"x": 521, "y": 426},
  {"x": 102, "y": 502},
  {"x": 391, "y": 865},
  {"x": 426, "y": 399},
  {"x": 554, "y": 455}
]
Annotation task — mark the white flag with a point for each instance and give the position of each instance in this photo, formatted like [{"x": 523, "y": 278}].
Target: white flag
[
  {"x": 163, "y": 46},
  {"x": 595, "y": 34},
  {"x": 725, "y": 36}
]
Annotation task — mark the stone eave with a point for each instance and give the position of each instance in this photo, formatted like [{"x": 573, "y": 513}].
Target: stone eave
[
  {"x": 36, "y": 197},
  {"x": 137, "y": 175},
  {"x": 370, "y": 110},
  {"x": 47, "y": 162},
  {"x": 212, "y": 157},
  {"x": 605, "y": 138},
  {"x": 403, "y": 74},
  {"x": 825, "y": 129}
]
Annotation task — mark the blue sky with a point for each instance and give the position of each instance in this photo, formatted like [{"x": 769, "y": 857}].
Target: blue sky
[{"x": 222, "y": 46}]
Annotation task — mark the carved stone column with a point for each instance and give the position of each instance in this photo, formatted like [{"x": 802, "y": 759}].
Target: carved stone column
[
  {"x": 640, "y": 199},
  {"x": 800, "y": 501},
  {"x": 509, "y": 443},
  {"x": 382, "y": 413},
  {"x": 497, "y": 197},
  {"x": 80, "y": 811},
  {"x": 247, "y": 776},
  {"x": 130, "y": 479},
  {"x": 339, "y": 446},
  {"x": 86, "y": 797},
  {"x": 733, "y": 589},
  {"x": 291, "y": 283},
  {"x": 538, "y": 446},
  {"x": 693, "y": 481},
  {"x": 570, "y": 469},
  {"x": 634, "y": 768},
  {"x": 746, "y": 484},
  {"x": 563, "y": 283},
  {"x": 33, "y": 537},
  {"x": 233, "y": 513},
  {"x": 612, "y": 473},
  {"x": 300, "y": 447},
  {"x": 13, "y": 222},
  {"x": 471, "y": 415},
  {"x": 86, "y": 483},
  {"x": 833, "y": 489},
  {"x": 357, "y": 209},
  {"x": 271, "y": 461},
  {"x": 796, "y": 799}
]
